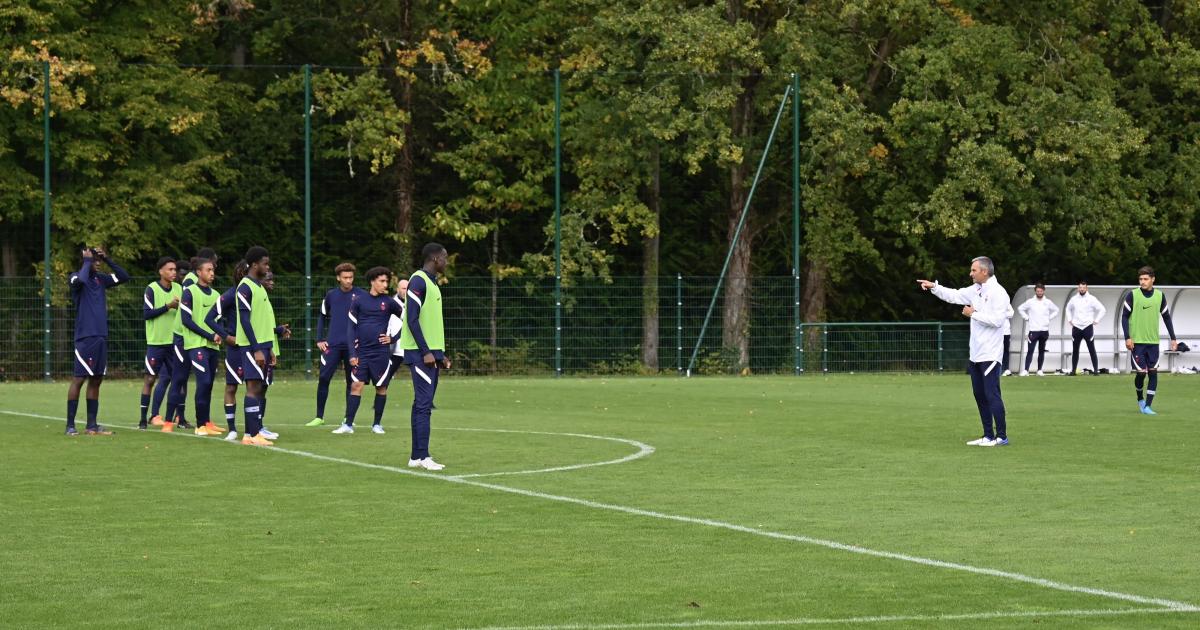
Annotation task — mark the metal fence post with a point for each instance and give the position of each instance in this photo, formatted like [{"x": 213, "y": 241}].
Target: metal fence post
[
  {"x": 308, "y": 342},
  {"x": 557, "y": 223},
  {"x": 796, "y": 217},
  {"x": 46, "y": 217},
  {"x": 679, "y": 323},
  {"x": 825, "y": 349},
  {"x": 939, "y": 347}
]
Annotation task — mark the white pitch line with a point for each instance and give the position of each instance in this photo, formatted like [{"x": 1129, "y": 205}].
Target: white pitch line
[
  {"x": 819, "y": 542},
  {"x": 643, "y": 451},
  {"x": 814, "y": 621}
]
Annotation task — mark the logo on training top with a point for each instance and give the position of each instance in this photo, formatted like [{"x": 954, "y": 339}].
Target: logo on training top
[
  {"x": 1146, "y": 306},
  {"x": 383, "y": 306}
]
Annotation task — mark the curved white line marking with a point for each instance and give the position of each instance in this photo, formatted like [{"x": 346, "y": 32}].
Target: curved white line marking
[{"x": 643, "y": 451}]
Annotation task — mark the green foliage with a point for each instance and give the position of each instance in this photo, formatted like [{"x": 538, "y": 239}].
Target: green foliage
[{"x": 1060, "y": 138}]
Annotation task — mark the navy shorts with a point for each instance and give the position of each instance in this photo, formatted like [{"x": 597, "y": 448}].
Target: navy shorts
[
  {"x": 250, "y": 370},
  {"x": 91, "y": 356},
  {"x": 332, "y": 359},
  {"x": 376, "y": 370},
  {"x": 1144, "y": 357},
  {"x": 158, "y": 359}
]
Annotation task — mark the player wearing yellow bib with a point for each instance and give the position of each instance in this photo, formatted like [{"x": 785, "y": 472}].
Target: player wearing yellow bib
[
  {"x": 255, "y": 340},
  {"x": 159, "y": 301},
  {"x": 423, "y": 340},
  {"x": 202, "y": 339},
  {"x": 1139, "y": 319}
]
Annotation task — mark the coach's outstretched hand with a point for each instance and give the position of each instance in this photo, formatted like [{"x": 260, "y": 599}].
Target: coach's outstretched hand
[{"x": 925, "y": 284}]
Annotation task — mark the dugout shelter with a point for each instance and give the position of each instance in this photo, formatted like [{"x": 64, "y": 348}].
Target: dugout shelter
[{"x": 1184, "y": 302}]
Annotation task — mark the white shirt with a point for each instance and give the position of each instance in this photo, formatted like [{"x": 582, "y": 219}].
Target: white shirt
[
  {"x": 395, "y": 325},
  {"x": 1008, "y": 321},
  {"x": 1038, "y": 312},
  {"x": 1084, "y": 310},
  {"x": 992, "y": 309}
]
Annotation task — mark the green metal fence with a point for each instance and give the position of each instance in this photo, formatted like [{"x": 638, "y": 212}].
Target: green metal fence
[{"x": 508, "y": 327}]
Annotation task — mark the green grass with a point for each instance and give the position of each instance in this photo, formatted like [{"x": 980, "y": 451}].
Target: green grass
[{"x": 147, "y": 529}]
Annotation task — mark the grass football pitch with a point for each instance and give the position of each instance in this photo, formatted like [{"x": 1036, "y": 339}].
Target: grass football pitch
[{"x": 617, "y": 503}]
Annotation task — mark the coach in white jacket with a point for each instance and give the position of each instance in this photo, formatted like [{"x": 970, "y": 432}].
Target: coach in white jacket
[
  {"x": 987, "y": 304},
  {"x": 1084, "y": 311},
  {"x": 1039, "y": 311}
]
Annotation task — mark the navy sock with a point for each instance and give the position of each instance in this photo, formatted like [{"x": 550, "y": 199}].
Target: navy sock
[
  {"x": 93, "y": 407},
  {"x": 322, "y": 396},
  {"x": 169, "y": 416},
  {"x": 262, "y": 411},
  {"x": 1150, "y": 388},
  {"x": 352, "y": 408},
  {"x": 72, "y": 409},
  {"x": 251, "y": 408},
  {"x": 1138, "y": 381},
  {"x": 380, "y": 404},
  {"x": 179, "y": 410},
  {"x": 231, "y": 417},
  {"x": 145, "y": 405}
]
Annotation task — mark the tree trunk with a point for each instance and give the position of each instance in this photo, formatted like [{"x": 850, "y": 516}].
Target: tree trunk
[
  {"x": 405, "y": 177},
  {"x": 8, "y": 259},
  {"x": 237, "y": 57},
  {"x": 735, "y": 332},
  {"x": 812, "y": 308},
  {"x": 650, "y": 270},
  {"x": 493, "y": 339}
]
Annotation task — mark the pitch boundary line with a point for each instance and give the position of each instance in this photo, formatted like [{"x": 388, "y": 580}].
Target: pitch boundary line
[
  {"x": 819, "y": 542},
  {"x": 814, "y": 621}
]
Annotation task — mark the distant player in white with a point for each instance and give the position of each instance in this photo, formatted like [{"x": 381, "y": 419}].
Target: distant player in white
[
  {"x": 1084, "y": 311},
  {"x": 1038, "y": 311},
  {"x": 1007, "y": 337},
  {"x": 987, "y": 304},
  {"x": 396, "y": 326}
]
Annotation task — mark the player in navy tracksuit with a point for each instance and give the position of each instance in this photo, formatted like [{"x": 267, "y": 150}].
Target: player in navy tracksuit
[
  {"x": 333, "y": 321},
  {"x": 91, "y": 334},
  {"x": 370, "y": 346}
]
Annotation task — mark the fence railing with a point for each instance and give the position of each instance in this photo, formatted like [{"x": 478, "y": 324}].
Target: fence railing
[{"x": 508, "y": 327}]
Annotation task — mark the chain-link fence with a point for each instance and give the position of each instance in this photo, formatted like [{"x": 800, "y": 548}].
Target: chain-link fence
[{"x": 507, "y": 327}]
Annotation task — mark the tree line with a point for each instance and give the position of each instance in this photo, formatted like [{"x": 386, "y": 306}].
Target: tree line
[{"x": 1061, "y": 138}]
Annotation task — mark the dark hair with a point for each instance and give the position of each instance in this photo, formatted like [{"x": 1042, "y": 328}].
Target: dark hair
[
  {"x": 197, "y": 263},
  {"x": 1082, "y": 281},
  {"x": 255, "y": 254},
  {"x": 375, "y": 272},
  {"x": 183, "y": 265},
  {"x": 1039, "y": 286},
  {"x": 343, "y": 268},
  {"x": 1146, "y": 271},
  {"x": 430, "y": 250},
  {"x": 239, "y": 271},
  {"x": 165, "y": 260},
  {"x": 207, "y": 252}
]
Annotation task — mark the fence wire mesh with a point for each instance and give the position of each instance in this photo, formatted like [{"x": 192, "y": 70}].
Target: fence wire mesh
[{"x": 506, "y": 327}]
